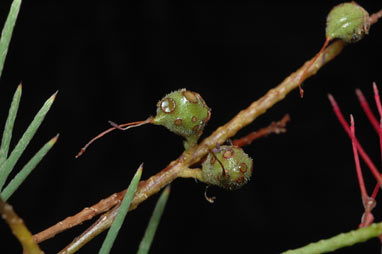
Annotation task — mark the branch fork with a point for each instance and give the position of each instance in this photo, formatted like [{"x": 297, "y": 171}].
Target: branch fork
[{"x": 180, "y": 166}]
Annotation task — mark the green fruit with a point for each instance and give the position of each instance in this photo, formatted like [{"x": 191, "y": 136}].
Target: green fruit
[
  {"x": 229, "y": 168},
  {"x": 184, "y": 113},
  {"x": 348, "y": 22}
]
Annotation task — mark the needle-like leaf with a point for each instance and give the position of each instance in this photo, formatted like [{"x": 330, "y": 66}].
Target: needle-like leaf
[
  {"x": 8, "y": 165},
  {"x": 124, "y": 208},
  {"x": 27, "y": 169},
  {"x": 145, "y": 244},
  {"x": 6, "y": 34},
  {"x": 339, "y": 241},
  {"x": 7, "y": 134}
]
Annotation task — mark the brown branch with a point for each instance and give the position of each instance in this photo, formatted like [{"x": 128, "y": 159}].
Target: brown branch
[
  {"x": 145, "y": 189},
  {"x": 195, "y": 173},
  {"x": 86, "y": 214},
  {"x": 245, "y": 117},
  {"x": 103, "y": 223},
  {"x": 260, "y": 106},
  {"x": 194, "y": 154},
  {"x": 19, "y": 229},
  {"x": 274, "y": 127}
]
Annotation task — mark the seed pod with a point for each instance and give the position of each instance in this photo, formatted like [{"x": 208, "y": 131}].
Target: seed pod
[
  {"x": 348, "y": 22},
  {"x": 229, "y": 167},
  {"x": 184, "y": 113}
]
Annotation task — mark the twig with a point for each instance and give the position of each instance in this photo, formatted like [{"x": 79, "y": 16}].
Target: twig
[
  {"x": 86, "y": 214},
  {"x": 19, "y": 229},
  {"x": 274, "y": 127},
  {"x": 103, "y": 223},
  {"x": 194, "y": 154}
]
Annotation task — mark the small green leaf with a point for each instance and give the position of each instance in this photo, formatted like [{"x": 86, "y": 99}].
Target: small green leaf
[
  {"x": 6, "y": 34},
  {"x": 27, "y": 169},
  {"x": 124, "y": 208},
  {"x": 7, "y": 166},
  {"x": 7, "y": 134},
  {"x": 145, "y": 244}
]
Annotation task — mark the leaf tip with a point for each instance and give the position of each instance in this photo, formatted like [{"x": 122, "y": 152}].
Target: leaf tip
[
  {"x": 140, "y": 169},
  {"x": 53, "y": 97},
  {"x": 54, "y": 139}
]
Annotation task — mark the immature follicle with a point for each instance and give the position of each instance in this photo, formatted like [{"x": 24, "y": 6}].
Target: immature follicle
[
  {"x": 183, "y": 112},
  {"x": 348, "y": 22},
  {"x": 228, "y": 167}
]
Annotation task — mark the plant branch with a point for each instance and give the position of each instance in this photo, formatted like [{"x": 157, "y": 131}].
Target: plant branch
[
  {"x": 19, "y": 229},
  {"x": 103, "y": 223},
  {"x": 257, "y": 108},
  {"x": 195, "y": 173},
  {"x": 195, "y": 154},
  {"x": 86, "y": 214},
  {"x": 275, "y": 127},
  {"x": 340, "y": 241}
]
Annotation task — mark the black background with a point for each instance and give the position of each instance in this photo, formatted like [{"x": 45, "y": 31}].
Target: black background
[{"x": 113, "y": 60}]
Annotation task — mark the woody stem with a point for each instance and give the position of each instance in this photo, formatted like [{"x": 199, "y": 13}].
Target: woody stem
[{"x": 196, "y": 153}]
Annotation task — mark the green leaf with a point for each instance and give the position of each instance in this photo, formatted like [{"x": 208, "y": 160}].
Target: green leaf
[
  {"x": 124, "y": 208},
  {"x": 27, "y": 169},
  {"x": 8, "y": 165},
  {"x": 6, "y": 34},
  {"x": 7, "y": 134},
  {"x": 340, "y": 241},
  {"x": 145, "y": 244}
]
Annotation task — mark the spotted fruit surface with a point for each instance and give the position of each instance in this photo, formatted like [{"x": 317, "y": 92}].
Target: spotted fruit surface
[
  {"x": 183, "y": 112},
  {"x": 229, "y": 168}
]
